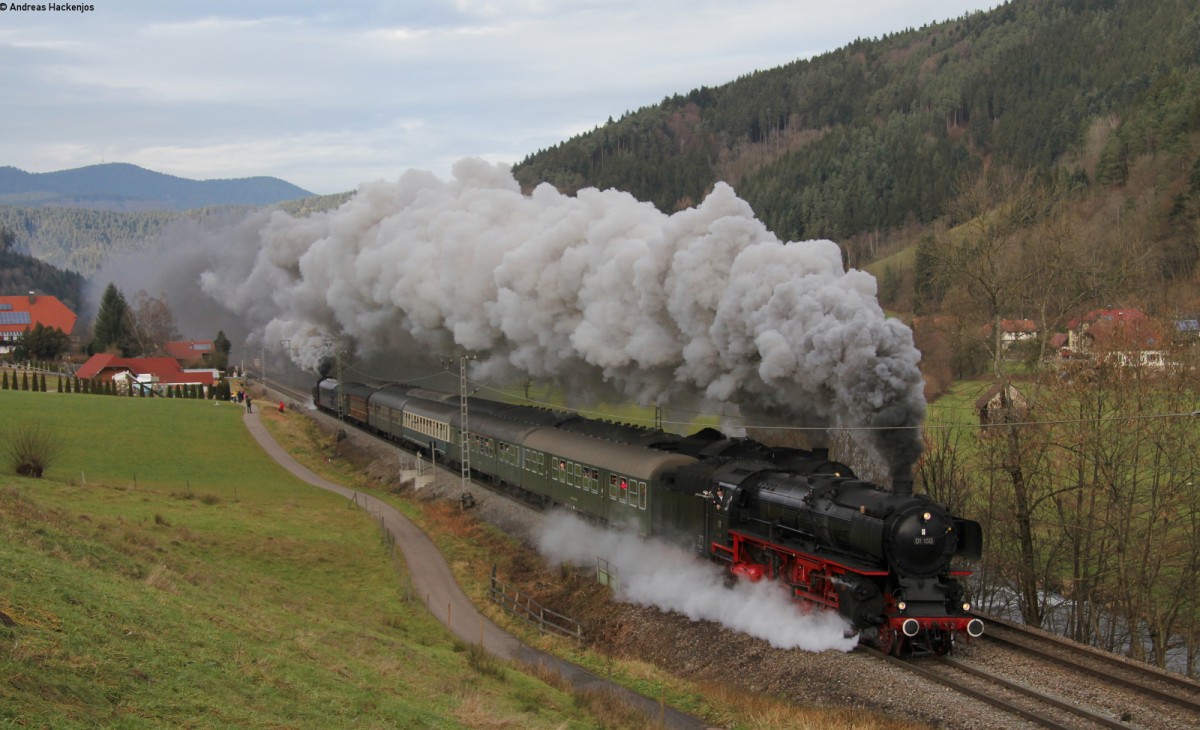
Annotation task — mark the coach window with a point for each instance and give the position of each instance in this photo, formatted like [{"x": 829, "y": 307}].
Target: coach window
[
  {"x": 642, "y": 495},
  {"x": 624, "y": 493},
  {"x": 612, "y": 486},
  {"x": 577, "y": 472}
]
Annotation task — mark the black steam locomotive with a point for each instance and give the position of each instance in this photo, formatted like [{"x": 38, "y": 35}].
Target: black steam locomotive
[{"x": 884, "y": 560}]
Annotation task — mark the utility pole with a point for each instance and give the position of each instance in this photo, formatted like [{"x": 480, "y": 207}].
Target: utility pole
[
  {"x": 465, "y": 432},
  {"x": 338, "y": 354},
  {"x": 331, "y": 345},
  {"x": 287, "y": 347}
]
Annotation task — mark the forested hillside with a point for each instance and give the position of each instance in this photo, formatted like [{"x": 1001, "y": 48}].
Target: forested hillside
[
  {"x": 81, "y": 240},
  {"x": 872, "y": 144},
  {"x": 20, "y": 274}
]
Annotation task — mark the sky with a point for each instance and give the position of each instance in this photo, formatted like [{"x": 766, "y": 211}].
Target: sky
[{"x": 330, "y": 95}]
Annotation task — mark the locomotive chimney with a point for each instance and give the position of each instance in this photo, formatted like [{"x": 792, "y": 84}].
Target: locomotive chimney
[{"x": 902, "y": 482}]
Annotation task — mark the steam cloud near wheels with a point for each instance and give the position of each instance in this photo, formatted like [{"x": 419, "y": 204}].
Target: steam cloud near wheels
[
  {"x": 671, "y": 579},
  {"x": 596, "y": 293}
]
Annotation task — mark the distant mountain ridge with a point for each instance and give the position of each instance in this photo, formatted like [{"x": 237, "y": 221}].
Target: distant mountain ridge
[{"x": 119, "y": 186}]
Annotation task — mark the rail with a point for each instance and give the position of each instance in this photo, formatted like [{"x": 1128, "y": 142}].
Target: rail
[{"x": 531, "y": 611}]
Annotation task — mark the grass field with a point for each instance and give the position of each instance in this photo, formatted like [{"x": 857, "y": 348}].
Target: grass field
[
  {"x": 957, "y": 406},
  {"x": 190, "y": 582}
]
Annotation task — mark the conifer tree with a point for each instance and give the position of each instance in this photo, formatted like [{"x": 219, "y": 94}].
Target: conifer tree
[
  {"x": 4, "y": 382},
  {"x": 24, "y": 380},
  {"x": 113, "y": 328}
]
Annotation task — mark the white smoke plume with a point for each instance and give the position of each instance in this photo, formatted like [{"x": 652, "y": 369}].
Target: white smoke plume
[
  {"x": 666, "y": 577},
  {"x": 597, "y": 293}
]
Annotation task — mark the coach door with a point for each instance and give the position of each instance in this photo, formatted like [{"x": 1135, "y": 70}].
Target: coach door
[{"x": 717, "y": 513}]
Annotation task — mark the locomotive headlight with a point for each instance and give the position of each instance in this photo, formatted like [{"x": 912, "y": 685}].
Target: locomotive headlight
[
  {"x": 927, "y": 517},
  {"x": 966, "y": 607},
  {"x": 901, "y": 605}
]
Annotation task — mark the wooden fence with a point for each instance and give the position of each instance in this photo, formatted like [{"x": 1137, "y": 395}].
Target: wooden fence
[{"x": 511, "y": 600}]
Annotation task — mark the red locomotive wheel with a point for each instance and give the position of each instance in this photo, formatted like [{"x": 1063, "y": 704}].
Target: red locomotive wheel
[{"x": 889, "y": 641}]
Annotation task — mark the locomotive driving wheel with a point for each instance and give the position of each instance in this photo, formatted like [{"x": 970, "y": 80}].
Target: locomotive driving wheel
[
  {"x": 941, "y": 642},
  {"x": 890, "y": 641}
]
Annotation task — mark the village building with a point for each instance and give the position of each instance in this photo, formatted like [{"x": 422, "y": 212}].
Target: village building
[
  {"x": 146, "y": 374},
  {"x": 1013, "y": 331},
  {"x": 191, "y": 353},
  {"x": 1126, "y": 337},
  {"x": 993, "y": 408},
  {"x": 19, "y": 314}
]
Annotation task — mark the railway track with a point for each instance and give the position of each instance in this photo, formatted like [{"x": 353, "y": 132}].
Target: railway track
[
  {"x": 1056, "y": 683},
  {"x": 1014, "y": 698},
  {"x": 1141, "y": 679}
]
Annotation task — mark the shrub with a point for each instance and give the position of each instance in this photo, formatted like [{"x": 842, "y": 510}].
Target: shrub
[{"x": 30, "y": 448}]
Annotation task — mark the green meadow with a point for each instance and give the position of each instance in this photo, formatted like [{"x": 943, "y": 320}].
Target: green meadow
[{"x": 166, "y": 573}]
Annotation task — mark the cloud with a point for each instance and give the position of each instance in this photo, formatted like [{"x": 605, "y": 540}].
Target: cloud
[{"x": 497, "y": 80}]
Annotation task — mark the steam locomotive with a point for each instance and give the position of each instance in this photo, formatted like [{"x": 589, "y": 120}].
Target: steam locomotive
[{"x": 886, "y": 561}]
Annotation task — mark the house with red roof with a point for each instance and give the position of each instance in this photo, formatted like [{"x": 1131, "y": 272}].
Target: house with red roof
[
  {"x": 1014, "y": 330},
  {"x": 146, "y": 373},
  {"x": 190, "y": 353},
  {"x": 1127, "y": 336},
  {"x": 22, "y": 313}
]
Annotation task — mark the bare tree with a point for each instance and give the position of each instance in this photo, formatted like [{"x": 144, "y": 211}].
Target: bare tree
[
  {"x": 153, "y": 324},
  {"x": 983, "y": 262}
]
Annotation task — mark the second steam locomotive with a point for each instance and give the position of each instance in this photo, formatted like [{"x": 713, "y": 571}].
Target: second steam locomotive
[{"x": 886, "y": 561}]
